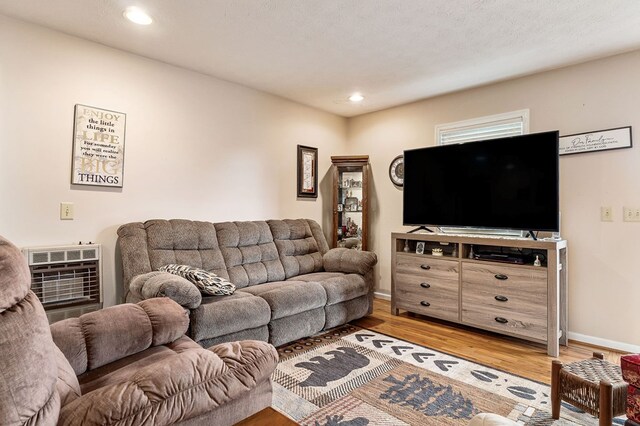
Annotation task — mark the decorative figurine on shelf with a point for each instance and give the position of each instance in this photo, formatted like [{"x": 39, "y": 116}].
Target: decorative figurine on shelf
[
  {"x": 347, "y": 232},
  {"x": 454, "y": 253},
  {"x": 353, "y": 229},
  {"x": 537, "y": 261},
  {"x": 471, "y": 253},
  {"x": 406, "y": 246}
]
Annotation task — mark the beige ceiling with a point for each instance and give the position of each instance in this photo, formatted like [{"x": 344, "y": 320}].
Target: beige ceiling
[{"x": 317, "y": 52}]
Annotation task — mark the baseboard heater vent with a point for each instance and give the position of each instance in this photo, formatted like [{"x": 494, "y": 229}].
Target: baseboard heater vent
[{"x": 66, "y": 278}]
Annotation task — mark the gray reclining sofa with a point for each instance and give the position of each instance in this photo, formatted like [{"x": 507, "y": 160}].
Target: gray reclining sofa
[{"x": 289, "y": 283}]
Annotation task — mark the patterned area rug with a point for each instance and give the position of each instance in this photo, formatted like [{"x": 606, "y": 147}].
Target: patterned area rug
[{"x": 355, "y": 377}]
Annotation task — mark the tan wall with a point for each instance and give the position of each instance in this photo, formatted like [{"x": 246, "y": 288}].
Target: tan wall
[
  {"x": 202, "y": 148},
  {"x": 196, "y": 147},
  {"x": 604, "y": 258}
]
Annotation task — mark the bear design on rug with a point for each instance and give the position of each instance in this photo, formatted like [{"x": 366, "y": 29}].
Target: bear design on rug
[{"x": 325, "y": 370}]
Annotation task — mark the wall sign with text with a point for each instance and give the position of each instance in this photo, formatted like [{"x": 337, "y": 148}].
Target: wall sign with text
[
  {"x": 98, "y": 147},
  {"x": 600, "y": 140}
]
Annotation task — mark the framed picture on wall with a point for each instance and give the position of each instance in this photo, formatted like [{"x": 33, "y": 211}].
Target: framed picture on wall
[
  {"x": 98, "y": 147},
  {"x": 307, "y": 172}
]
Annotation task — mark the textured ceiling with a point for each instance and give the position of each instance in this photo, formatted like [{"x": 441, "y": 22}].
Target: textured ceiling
[{"x": 317, "y": 52}]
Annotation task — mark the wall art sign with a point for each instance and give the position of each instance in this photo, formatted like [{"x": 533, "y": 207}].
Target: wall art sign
[
  {"x": 307, "y": 172},
  {"x": 600, "y": 140},
  {"x": 98, "y": 147}
]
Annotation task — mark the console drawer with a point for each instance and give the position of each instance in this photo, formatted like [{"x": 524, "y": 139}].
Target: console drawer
[
  {"x": 426, "y": 266},
  {"x": 505, "y": 277},
  {"x": 475, "y": 312},
  {"x": 433, "y": 297},
  {"x": 505, "y": 298}
]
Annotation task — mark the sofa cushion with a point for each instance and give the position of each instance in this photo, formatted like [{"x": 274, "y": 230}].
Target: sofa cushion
[
  {"x": 182, "y": 386},
  {"x": 221, "y": 315},
  {"x": 207, "y": 282},
  {"x": 67, "y": 384},
  {"x": 299, "y": 246},
  {"x": 286, "y": 298},
  {"x": 121, "y": 370},
  {"x": 249, "y": 253},
  {"x": 338, "y": 286},
  {"x": 184, "y": 242}
]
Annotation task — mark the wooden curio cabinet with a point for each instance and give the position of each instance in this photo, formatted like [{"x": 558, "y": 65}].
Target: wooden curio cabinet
[{"x": 350, "y": 201}]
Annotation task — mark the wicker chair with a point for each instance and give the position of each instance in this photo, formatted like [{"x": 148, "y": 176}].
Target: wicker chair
[{"x": 631, "y": 373}]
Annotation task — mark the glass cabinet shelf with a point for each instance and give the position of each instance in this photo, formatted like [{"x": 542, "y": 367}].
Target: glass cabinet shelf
[{"x": 350, "y": 201}]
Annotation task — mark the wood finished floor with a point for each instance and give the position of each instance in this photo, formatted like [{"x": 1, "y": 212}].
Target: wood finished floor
[{"x": 516, "y": 356}]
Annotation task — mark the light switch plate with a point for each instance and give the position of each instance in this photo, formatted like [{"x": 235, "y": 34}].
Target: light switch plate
[
  {"x": 66, "y": 211},
  {"x": 606, "y": 214}
]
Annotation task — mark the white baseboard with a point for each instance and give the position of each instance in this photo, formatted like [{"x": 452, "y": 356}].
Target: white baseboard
[
  {"x": 381, "y": 295},
  {"x": 590, "y": 340},
  {"x": 605, "y": 343}
]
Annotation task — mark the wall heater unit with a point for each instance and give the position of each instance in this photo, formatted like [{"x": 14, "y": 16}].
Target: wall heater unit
[{"x": 66, "y": 279}]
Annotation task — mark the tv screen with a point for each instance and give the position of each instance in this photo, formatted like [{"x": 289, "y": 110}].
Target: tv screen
[{"x": 509, "y": 183}]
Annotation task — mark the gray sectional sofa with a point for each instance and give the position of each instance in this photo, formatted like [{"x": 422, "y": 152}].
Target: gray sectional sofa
[{"x": 289, "y": 283}]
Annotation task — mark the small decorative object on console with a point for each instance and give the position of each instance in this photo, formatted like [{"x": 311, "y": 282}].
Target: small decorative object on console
[
  {"x": 436, "y": 252},
  {"x": 420, "y": 248},
  {"x": 537, "y": 261},
  {"x": 406, "y": 246}
]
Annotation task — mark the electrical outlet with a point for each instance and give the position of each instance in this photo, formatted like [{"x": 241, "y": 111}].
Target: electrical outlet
[
  {"x": 606, "y": 214},
  {"x": 630, "y": 214},
  {"x": 66, "y": 211}
]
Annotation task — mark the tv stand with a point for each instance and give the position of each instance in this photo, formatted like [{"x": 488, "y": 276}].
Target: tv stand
[
  {"x": 489, "y": 283},
  {"x": 420, "y": 228}
]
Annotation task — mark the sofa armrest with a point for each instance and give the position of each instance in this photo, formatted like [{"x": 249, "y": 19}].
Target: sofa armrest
[
  {"x": 183, "y": 386},
  {"x": 349, "y": 261},
  {"x": 163, "y": 284},
  {"x": 101, "y": 337}
]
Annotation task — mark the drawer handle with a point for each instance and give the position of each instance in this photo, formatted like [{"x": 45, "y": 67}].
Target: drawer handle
[
  {"x": 425, "y": 285},
  {"x": 423, "y": 303},
  {"x": 501, "y": 277},
  {"x": 425, "y": 267},
  {"x": 501, "y": 320},
  {"x": 501, "y": 298}
]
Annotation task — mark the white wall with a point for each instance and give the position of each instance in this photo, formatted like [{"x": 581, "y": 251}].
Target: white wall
[
  {"x": 196, "y": 147},
  {"x": 604, "y": 258}
]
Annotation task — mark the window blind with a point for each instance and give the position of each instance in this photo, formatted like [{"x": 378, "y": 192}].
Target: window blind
[{"x": 493, "y": 127}]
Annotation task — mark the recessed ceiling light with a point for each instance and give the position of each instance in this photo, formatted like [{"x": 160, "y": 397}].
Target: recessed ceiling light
[
  {"x": 137, "y": 15},
  {"x": 356, "y": 97}
]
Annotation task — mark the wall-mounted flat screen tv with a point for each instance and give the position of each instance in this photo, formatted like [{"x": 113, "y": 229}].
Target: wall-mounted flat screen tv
[{"x": 507, "y": 183}]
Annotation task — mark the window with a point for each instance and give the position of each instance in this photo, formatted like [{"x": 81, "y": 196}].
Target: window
[{"x": 491, "y": 127}]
